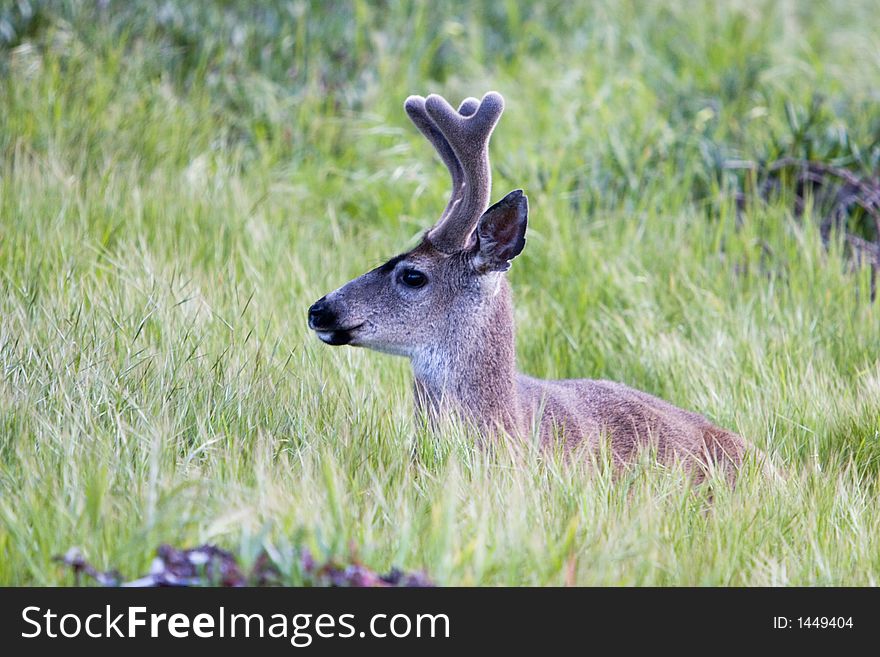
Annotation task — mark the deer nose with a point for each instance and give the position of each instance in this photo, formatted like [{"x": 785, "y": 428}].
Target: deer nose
[{"x": 320, "y": 315}]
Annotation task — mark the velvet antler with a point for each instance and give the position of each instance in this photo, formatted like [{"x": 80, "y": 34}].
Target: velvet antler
[{"x": 461, "y": 138}]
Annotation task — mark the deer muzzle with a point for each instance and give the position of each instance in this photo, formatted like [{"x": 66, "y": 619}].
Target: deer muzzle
[{"x": 324, "y": 321}]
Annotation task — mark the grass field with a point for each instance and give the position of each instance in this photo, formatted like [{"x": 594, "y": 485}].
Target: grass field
[{"x": 180, "y": 181}]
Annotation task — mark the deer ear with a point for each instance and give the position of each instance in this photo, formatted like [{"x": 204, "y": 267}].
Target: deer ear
[{"x": 501, "y": 233}]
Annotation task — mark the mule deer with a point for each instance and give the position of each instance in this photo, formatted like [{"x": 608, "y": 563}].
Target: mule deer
[{"x": 446, "y": 305}]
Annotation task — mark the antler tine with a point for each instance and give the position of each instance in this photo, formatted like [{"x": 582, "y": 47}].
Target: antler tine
[
  {"x": 415, "y": 108},
  {"x": 468, "y": 106},
  {"x": 468, "y": 138}
]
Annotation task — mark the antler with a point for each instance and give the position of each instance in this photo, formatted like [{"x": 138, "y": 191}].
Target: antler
[{"x": 461, "y": 138}]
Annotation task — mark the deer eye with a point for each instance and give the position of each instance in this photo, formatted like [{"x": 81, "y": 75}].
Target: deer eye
[{"x": 413, "y": 278}]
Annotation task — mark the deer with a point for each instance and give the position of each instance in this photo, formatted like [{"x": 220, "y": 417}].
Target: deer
[{"x": 447, "y": 306}]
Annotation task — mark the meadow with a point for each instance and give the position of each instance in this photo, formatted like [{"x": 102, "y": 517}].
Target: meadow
[{"x": 180, "y": 181}]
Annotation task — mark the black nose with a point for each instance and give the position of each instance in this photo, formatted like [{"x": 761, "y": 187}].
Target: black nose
[{"x": 320, "y": 315}]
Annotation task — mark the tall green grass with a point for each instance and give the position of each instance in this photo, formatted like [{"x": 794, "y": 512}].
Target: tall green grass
[{"x": 179, "y": 181}]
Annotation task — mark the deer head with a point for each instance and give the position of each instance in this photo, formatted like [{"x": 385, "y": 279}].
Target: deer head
[{"x": 441, "y": 294}]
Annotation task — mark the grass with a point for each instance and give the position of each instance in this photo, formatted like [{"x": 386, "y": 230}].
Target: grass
[{"x": 178, "y": 182}]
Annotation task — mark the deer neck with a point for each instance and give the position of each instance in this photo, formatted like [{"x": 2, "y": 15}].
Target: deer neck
[{"x": 473, "y": 373}]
